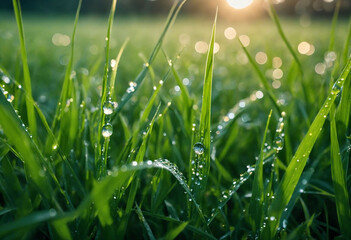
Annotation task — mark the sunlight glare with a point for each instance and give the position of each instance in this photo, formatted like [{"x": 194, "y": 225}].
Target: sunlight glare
[{"x": 239, "y": 4}]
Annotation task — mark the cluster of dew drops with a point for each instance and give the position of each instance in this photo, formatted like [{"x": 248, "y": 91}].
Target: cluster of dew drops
[{"x": 108, "y": 109}]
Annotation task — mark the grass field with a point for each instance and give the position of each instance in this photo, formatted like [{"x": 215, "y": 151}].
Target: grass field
[{"x": 192, "y": 136}]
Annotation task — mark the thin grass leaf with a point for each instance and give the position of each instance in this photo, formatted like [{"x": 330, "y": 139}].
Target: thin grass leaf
[
  {"x": 274, "y": 16},
  {"x": 347, "y": 44},
  {"x": 299, "y": 160},
  {"x": 21, "y": 139},
  {"x": 262, "y": 78},
  {"x": 189, "y": 227},
  {"x": 114, "y": 65},
  {"x": 26, "y": 74},
  {"x": 333, "y": 27},
  {"x": 339, "y": 180},
  {"x": 257, "y": 199},
  {"x": 100, "y": 161},
  {"x": 176, "y": 231},
  {"x": 65, "y": 87},
  {"x": 276, "y": 21},
  {"x": 202, "y": 146},
  {"x": 139, "y": 79},
  {"x": 144, "y": 222}
]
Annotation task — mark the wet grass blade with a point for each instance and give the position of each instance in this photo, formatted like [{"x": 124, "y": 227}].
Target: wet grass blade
[
  {"x": 26, "y": 74},
  {"x": 339, "y": 180},
  {"x": 17, "y": 135},
  {"x": 202, "y": 146},
  {"x": 257, "y": 199},
  {"x": 298, "y": 162},
  {"x": 100, "y": 161}
]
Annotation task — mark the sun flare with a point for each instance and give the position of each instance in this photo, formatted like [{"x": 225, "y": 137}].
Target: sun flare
[{"x": 239, "y": 4}]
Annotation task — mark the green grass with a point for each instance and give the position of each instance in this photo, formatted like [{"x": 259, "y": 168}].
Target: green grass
[{"x": 130, "y": 133}]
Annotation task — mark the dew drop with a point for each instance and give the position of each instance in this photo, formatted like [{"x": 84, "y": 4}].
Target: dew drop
[
  {"x": 107, "y": 130},
  {"x": 108, "y": 108},
  {"x": 199, "y": 148},
  {"x": 278, "y": 143}
]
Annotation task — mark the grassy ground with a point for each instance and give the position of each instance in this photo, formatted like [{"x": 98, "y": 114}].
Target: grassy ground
[{"x": 234, "y": 171}]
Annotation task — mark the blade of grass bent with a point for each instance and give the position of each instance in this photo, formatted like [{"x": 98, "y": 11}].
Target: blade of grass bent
[
  {"x": 26, "y": 74},
  {"x": 339, "y": 180},
  {"x": 299, "y": 160}
]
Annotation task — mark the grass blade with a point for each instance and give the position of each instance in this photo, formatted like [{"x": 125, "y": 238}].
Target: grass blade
[
  {"x": 18, "y": 136},
  {"x": 26, "y": 74},
  {"x": 144, "y": 222},
  {"x": 202, "y": 146},
  {"x": 298, "y": 162},
  {"x": 263, "y": 79},
  {"x": 257, "y": 199},
  {"x": 65, "y": 87},
  {"x": 334, "y": 22},
  {"x": 339, "y": 180},
  {"x": 100, "y": 161},
  {"x": 138, "y": 80}
]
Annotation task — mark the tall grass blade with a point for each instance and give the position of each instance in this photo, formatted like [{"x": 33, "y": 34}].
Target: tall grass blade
[
  {"x": 347, "y": 44},
  {"x": 343, "y": 110},
  {"x": 65, "y": 87},
  {"x": 339, "y": 180},
  {"x": 333, "y": 27},
  {"x": 257, "y": 199},
  {"x": 100, "y": 161},
  {"x": 298, "y": 162},
  {"x": 202, "y": 146},
  {"x": 26, "y": 74}
]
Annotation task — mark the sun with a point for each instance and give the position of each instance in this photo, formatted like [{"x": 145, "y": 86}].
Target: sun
[{"x": 239, "y": 4}]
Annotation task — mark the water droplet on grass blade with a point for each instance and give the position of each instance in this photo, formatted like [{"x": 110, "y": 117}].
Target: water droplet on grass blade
[
  {"x": 108, "y": 108},
  {"x": 107, "y": 130},
  {"x": 199, "y": 148}
]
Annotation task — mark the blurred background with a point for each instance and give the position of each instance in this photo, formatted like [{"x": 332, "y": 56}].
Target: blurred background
[{"x": 313, "y": 8}]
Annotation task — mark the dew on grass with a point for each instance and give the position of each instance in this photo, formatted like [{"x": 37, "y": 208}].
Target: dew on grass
[
  {"x": 52, "y": 212},
  {"x": 10, "y": 98},
  {"x": 199, "y": 148},
  {"x": 108, "y": 108},
  {"x": 6, "y": 79},
  {"x": 278, "y": 143},
  {"x": 107, "y": 130}
]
